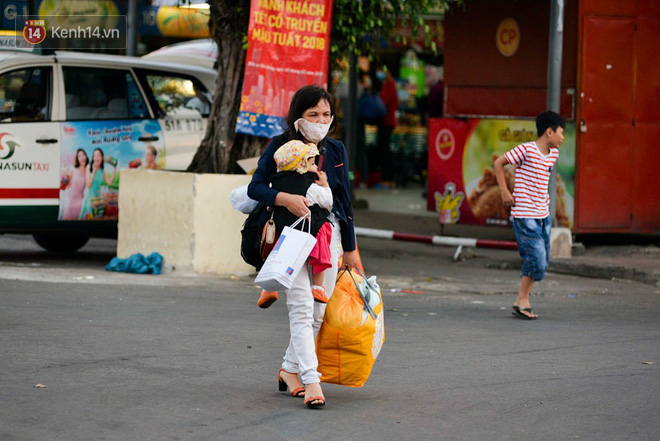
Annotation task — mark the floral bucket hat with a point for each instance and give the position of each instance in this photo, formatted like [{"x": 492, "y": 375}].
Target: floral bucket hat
[{"x": 293, "y": 156}]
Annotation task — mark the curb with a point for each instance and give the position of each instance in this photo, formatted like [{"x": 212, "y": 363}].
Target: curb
[{"x": 604, "y": 271}]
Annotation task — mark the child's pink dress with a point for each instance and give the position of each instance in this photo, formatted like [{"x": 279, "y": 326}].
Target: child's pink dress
[{"x": 320, "y": 257}]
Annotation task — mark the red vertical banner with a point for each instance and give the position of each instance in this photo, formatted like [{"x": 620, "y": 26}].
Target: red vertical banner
[
  {"x": 446, "y": 189},
  {"x": 288, "y": 48}
]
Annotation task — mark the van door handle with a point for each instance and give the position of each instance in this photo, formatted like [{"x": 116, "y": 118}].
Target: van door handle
[
  {"x": 47, "y": 141},
  {"x": 148, "y": 138}
]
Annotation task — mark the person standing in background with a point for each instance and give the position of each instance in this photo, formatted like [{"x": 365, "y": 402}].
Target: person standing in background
[
  {"x": 390, "y": 97},
  {"x": 436, "y": 96},
  {"x": 365, "y": 88}
]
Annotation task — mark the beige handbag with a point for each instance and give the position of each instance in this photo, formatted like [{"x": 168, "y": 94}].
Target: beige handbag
[{"x": 268, "y": 238}]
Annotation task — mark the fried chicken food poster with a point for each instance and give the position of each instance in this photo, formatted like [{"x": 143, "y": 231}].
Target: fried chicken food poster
[{"x": 461, "y": 184}]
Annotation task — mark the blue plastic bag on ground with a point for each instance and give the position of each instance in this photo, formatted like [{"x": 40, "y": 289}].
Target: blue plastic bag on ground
[{"x": 137, "y": 263}]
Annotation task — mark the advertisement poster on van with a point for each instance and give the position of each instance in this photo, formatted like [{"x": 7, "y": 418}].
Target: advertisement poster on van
[{"x": 92, "y": 154}]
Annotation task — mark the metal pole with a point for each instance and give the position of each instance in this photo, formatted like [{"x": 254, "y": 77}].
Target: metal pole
[
  {"x": 133, "y": 24},
  {"x": 350, "y": 114},
  {"x": 554, "y": 83}
]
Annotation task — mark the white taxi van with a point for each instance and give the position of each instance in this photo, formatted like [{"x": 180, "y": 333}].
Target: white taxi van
[{"x": 70, "y": 121}]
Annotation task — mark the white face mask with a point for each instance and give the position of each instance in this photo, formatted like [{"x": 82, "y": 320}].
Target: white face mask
[{"x": 312, "y": 132}]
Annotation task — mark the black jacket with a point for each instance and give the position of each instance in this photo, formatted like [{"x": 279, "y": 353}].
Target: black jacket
[
  {"x": 293, "y": 182},
  {"x": 335, "y": 166}
]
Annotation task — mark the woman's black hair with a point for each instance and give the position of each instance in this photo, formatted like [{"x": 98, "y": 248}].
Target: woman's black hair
[
  {"x": 91, "y": 161},
  {"x": 305, "y": 98},
  {"x": 77, "y": 163}
]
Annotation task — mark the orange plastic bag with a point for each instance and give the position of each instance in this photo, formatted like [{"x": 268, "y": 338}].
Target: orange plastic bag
[{"x": 352, "y": 334}]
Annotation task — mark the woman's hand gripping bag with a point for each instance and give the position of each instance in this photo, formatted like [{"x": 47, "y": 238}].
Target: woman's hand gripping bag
[{"x": 353, "y": 331}]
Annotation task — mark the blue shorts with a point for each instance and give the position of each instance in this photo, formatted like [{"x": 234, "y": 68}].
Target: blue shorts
[{"x": 533, "y": 237}]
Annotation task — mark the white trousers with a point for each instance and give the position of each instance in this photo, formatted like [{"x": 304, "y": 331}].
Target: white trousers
[{"x": 306, "y": 316}]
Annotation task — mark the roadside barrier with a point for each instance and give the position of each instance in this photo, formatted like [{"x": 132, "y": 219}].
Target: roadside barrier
[{"x": 458, "y": 242}]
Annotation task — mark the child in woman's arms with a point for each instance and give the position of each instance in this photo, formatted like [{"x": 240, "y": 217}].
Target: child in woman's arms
[{"x": 297, "y": 172}]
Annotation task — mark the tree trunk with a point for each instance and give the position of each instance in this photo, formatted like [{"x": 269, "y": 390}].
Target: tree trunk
[
  {"x": 222, "y": 146},
  {"x": 245, "y": 146}
]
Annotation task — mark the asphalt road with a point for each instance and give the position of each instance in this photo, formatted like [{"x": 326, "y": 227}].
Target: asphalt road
[{"x": 184, "y": 357}]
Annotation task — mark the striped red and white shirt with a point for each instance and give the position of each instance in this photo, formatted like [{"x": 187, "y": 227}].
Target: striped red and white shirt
[{"x": 533, "y": 169}]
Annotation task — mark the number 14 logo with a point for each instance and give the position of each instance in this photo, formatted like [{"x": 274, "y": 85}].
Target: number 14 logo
[{"x": 34, "y": 31}]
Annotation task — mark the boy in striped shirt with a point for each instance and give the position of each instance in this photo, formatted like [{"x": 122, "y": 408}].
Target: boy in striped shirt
[{"x": 530, "y": 201}]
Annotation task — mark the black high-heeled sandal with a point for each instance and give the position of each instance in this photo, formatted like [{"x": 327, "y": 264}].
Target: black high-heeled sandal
[
  {"x": 298, "y": 392},
  {"x": 315, "y": 402}
]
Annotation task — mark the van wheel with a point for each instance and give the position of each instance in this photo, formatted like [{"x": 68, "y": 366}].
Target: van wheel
[{"x": 61, "y": 242}]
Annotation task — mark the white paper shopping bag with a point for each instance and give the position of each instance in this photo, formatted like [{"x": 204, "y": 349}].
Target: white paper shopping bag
[{"x": 287, "y": 258}]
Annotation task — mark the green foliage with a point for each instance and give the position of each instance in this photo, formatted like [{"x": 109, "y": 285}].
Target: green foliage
[
  {"x": 358, "y": 25},
  {"x": 229, "y": 19}
]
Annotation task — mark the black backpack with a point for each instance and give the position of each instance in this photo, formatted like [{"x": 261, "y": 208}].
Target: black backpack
[{"x": 251, "y": 236}]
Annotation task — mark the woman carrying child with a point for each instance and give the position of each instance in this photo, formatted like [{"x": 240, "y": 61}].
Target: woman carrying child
[{"x": 310, "y": 119}]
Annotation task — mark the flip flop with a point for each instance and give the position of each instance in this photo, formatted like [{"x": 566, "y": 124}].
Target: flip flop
[{"x": 517, "y": 311}]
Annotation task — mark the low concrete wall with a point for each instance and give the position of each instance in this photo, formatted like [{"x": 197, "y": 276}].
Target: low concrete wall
[
  {"x": 185, "y": 217},
  {"x": 561, "y": 242}
]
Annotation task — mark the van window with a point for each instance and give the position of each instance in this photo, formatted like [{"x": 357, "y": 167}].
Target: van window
[
  {"x": 25, "y": 95},
  {"x": 93, "y": 94},
  {"x": 178, "y": 95}
]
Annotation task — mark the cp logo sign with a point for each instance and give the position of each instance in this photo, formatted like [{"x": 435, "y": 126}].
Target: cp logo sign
[{"x": 507, "y": 37}]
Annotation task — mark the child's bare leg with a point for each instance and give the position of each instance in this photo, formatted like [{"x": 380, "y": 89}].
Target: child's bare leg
[
  {"x": 522, "y": 301},
  {"x": 318, "y": 291},
  {"x": 317, "y": 279}
]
